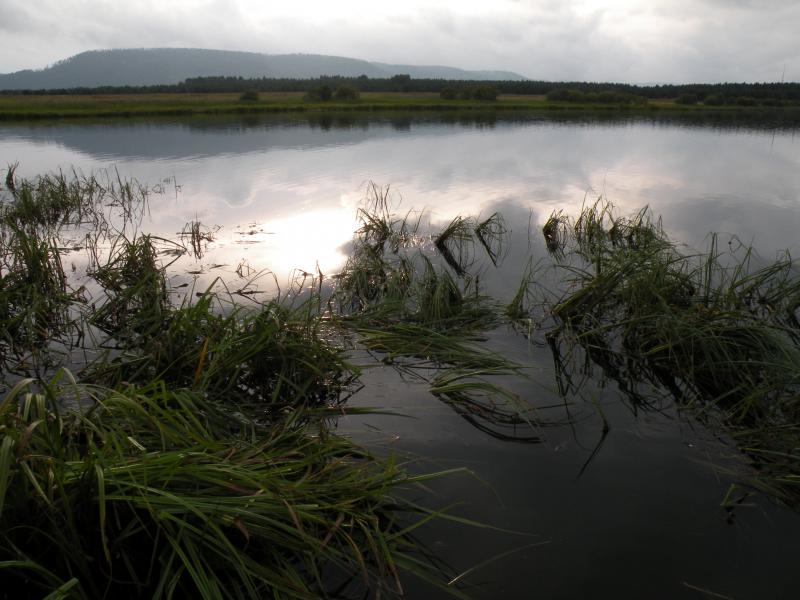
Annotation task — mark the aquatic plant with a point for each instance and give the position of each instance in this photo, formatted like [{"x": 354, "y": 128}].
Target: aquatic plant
[
  {"x": 411, "y": 295},
  {"x": 190, "y": 455},
  {"x": 34, "y": 298},
  {"x": 718, "y": 332},
  {"x": 157, "y": 492},
  {"x": 198, "y": 237}
]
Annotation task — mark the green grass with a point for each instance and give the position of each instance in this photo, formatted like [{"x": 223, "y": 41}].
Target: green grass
[
  {"x": 153, "y": 448},
  {"x": 156, "y": 447},
  {"x": 25, "y": 107},
  {"x": 409, "y": 294},
  {"x": 157, "y": 492},
  {"x": 717, "y": 332},
  {"x": 37, "y": 107}
]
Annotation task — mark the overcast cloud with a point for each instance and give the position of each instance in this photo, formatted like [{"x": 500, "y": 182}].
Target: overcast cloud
[{"x": 619, "y": 40}]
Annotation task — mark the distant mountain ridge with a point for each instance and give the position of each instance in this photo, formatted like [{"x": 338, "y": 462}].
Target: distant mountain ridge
[{"x": 160, "y": 66}]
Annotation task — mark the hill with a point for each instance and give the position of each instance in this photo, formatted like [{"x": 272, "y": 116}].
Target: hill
[{"x": 158, "y": 66}]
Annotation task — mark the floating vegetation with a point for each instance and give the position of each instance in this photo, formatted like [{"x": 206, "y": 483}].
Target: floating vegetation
[
  {"x": 411, "y": 295},
  {"x": 716, "y": 332},
  {"x": 156, "y": 443},
  {"x": 190, "y": 454}
]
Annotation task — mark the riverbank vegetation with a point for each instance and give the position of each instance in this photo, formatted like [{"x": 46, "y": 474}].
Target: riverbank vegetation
[
  {"x": 164, "y": 444},
  {"x": 716, "y": 332},
  {"x": 769, "y": 93},
  {"x": 157, "y": 444},
  {"x": 155, "y": 447},
  {"x": 319, "y": 99},
  {"x": 350, "y": 98}
]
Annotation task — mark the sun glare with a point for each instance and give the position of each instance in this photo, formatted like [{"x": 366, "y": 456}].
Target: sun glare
[{"x": 303, "y": 242}]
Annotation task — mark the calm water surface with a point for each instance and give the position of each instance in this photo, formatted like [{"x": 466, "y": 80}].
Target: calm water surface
[{"x": 642, "y": 518}]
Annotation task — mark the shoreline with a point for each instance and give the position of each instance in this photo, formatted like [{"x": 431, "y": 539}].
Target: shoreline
[{"x": 23, "y": 107}]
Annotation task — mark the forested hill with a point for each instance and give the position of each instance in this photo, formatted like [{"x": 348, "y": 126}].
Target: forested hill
[{"x": 159, "y": 66}]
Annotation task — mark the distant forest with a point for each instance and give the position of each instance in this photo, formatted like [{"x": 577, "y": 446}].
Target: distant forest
[{"x": 717, "y": 93}]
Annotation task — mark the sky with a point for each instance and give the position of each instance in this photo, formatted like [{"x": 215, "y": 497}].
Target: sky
[{"x": 646, "y": 41}]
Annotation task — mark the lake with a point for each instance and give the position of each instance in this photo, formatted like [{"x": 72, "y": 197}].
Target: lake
[{"x": 634, "y": 513}]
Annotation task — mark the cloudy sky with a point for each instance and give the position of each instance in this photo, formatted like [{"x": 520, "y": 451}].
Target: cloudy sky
[{"x": 620, "y": 40}]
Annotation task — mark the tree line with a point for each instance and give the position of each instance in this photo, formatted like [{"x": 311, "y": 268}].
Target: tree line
[{"x": 717, "y": 93}]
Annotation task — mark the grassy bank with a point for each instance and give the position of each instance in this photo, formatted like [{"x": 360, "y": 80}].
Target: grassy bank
[{"x": 23, "y": 107}]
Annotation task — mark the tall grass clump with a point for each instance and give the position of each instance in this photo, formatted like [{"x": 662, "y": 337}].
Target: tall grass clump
[
  {"x": 403, "y": 268},
  {"x": 269, "y": 358},
  {"x": 54, "y": 201},
  {"x": 717, "y": 331},
  {"x": 411, "y": 294},
  {"x": 34, "y": 297},
  {"x": 152, "y": 492},
  {"x": 135, "y": 290}
]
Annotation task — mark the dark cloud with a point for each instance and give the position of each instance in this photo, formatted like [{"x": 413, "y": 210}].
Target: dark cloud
[{"x": 660, "y": 41}]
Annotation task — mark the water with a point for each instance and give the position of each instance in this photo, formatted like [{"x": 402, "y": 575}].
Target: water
[{"x": 635, "y": 516}]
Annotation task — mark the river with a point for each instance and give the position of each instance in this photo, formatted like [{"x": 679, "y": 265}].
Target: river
[{"x": 634, "y": 513}]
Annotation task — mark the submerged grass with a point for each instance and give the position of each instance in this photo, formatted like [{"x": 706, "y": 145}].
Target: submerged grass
[
  {"x": 412, "y": 295},
  {"x": 270, "y": 358},
  {"x": 718, "y": 332},
  {"x": 190, "y": 454}
]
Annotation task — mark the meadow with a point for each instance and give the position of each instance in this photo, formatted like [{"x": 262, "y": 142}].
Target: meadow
[{"x": 52, "y": 106}]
